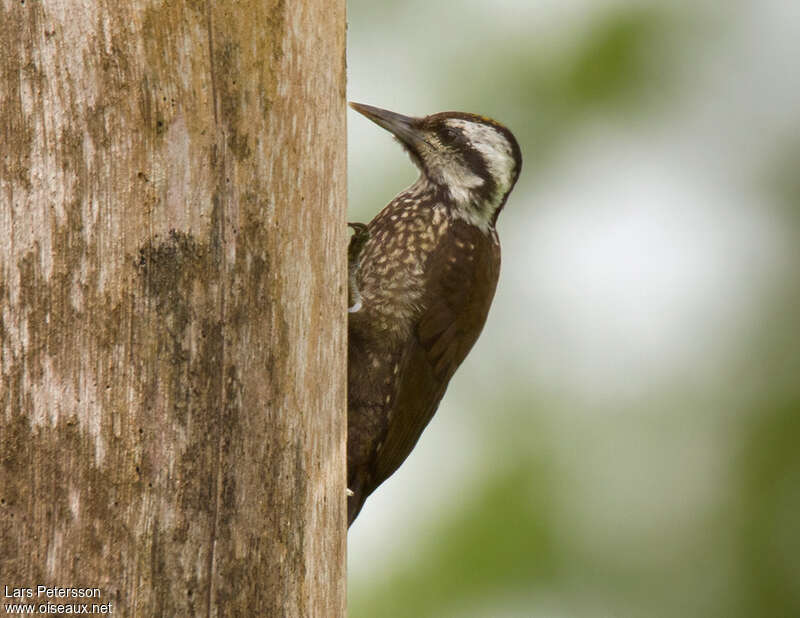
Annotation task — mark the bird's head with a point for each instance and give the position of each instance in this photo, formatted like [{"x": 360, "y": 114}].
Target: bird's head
[{"x": 473, "y": 160}]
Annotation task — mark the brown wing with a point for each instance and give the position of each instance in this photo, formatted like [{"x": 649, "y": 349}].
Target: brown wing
[{"x": 462, "y": 276}]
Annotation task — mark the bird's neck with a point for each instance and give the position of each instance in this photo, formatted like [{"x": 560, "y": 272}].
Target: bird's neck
[{"x": 465, "y": 203}]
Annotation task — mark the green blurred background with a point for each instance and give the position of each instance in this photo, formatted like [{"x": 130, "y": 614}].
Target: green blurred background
[{"x": 624, "y": 440}]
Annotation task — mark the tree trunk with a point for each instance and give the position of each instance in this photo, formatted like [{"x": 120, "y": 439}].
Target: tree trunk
[{"x": 173, "y": 292}]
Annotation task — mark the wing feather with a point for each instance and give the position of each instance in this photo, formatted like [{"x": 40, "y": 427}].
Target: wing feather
[{"x": 461, "y": 281}]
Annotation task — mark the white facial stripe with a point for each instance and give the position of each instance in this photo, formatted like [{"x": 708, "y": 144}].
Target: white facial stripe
[
  {"x": 460, "y": 179},
  {"x": 499, "y": 159},
  {"x": 493, "y": 146},
  {"x": 451, "y": 172}
]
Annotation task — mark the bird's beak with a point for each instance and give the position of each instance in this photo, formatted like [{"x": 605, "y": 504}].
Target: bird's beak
[{"x": 402, "y": 127}]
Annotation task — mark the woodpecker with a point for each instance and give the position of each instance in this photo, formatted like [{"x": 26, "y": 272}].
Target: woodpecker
[{"x": 423, "y": 274}]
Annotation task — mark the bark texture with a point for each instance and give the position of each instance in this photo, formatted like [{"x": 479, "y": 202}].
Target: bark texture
[{"x": 173, "y": 271}]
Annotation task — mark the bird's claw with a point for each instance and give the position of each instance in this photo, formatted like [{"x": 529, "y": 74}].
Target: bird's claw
[{"x": 357, "y": 241}]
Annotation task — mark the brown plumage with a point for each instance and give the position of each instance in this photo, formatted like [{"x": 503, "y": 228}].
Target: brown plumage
[{"x": 422, "y": 278}]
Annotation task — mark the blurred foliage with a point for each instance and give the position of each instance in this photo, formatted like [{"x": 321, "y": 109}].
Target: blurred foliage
[
  {"x": 767, "y": 515},
  {"x": 498, "y": 542},
  {"x": 780, "y": 178},
  {"x": 769, "y": 509},
  {"x": 611, "y": 62}
]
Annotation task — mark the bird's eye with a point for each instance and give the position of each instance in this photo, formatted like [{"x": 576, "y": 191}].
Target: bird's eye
[{"x": 451, "y": 135}]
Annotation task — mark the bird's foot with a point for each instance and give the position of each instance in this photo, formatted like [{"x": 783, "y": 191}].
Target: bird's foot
[{"x": 357, "y": 241}]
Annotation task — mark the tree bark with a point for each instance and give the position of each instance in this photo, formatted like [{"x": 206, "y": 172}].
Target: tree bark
[{"x": 173, "y": 284}]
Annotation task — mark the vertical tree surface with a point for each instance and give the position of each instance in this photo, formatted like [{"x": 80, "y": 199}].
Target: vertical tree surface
[{"x": 172, "y": 288}]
